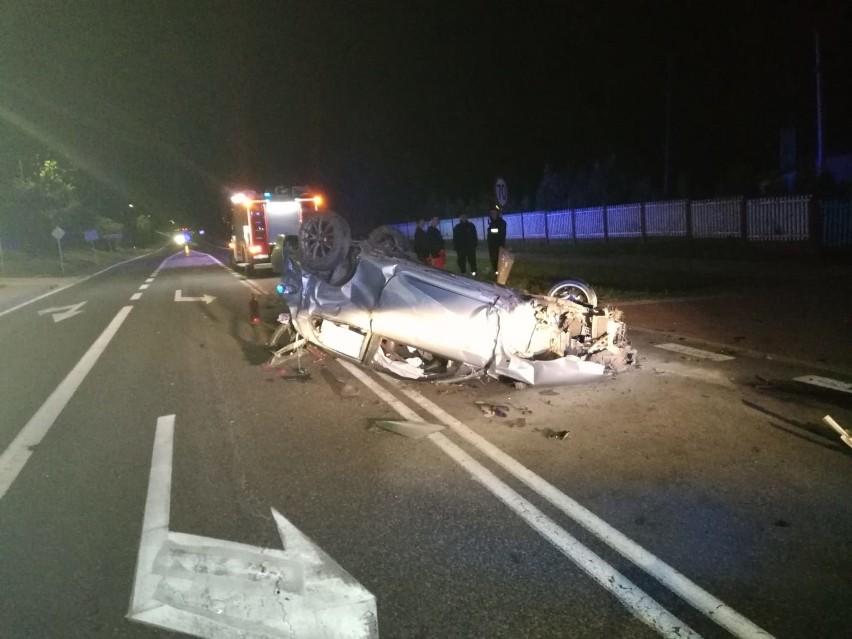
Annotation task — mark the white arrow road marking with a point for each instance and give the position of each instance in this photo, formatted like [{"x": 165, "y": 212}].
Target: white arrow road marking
[
  {"x": 15, "y": 457},
  {"x": 63, "y": 312},
  {"x": 220, "y": 589},
  {"x": 695, "y": 352},
  {"x": 204, "y": 298},
  {"x": 702, "y": 600}
]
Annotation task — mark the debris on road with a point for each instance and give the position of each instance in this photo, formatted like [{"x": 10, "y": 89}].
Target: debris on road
[
  {"x": 845, "y": 435},
  {"x": 549, "y": 433},
  {"x": 548, "y": 391},
  {"x": 492, "y": 410}
]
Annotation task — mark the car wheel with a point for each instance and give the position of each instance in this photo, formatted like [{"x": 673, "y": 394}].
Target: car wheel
[
  {"x": 324, "y": 241},
  {"x": 388, "y": 240},
  {"x": 576, "y": 291}
]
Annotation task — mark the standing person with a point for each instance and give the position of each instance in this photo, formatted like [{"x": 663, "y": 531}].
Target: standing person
[
  {"x": 464, "y": 241},
  {"x": 435, "y": 245},
  {"x": 496, "y": 237},
  {"x": 420, "y": 247}
]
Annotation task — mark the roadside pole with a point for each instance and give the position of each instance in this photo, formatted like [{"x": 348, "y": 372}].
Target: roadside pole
[
  {"x": 2, "y": 263},
  {"x": 58, "y": 233}
]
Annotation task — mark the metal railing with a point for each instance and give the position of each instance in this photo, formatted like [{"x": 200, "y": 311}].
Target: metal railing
[{"x": 778, "y": 219}]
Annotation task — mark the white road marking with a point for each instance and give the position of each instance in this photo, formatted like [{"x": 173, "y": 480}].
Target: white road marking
[
  {"x": 149, "y": 280},
  {"x": 67, "y": 286},
  {"x": 63, "y": 312},
  {"x": 633, "y": 598},
  {"x": 15, "y": 457},
  {"x": 142, "y": 287},
  {"x": 257, "y": 289},
  {"x": 825, "y": 382},
  {"x": 135, "y": 296},
  {"x": 204, "y": 298},
  {"x": 695, "y": 352},
  {"x": 691, "y": 592},
  {"x": 221, "y": 589}
]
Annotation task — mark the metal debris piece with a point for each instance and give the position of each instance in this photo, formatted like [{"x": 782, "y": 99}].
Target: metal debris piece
[
  {"x": 492, "y": 410},
  {"x": 412, "y": 430},
  {"x": 549, "y": 433},
  {"x": 519, "y": 385},
  {"x": 300, "y": 374},
  {"x": 286, "y": 354},
  {"x": 845, "y": 435}
]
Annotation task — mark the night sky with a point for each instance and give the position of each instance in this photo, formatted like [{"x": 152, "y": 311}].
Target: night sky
[{"x": 384, "y": 105}]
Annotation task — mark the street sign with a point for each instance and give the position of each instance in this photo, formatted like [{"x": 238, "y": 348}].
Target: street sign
[
  {"x": 91, "y": 236},
  {"x": 58, "y": 233},
  {"x": 501, "y": 193}
]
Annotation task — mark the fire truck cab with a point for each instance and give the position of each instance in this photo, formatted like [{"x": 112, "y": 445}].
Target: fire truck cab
[{"x": 258, "y": 220}]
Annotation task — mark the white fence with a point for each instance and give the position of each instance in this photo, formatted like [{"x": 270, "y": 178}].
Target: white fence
[{"x": 778, "y": 219}]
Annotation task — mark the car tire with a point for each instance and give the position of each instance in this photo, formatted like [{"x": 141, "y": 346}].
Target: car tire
[
  {"x": 324, "y": 240},
  {"x": 576, "y": 291},
  {"x": 388, "y": 240}
]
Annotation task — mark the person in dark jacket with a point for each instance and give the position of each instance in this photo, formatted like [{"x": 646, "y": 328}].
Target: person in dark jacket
[
  {"x": 464, "y": 242},
  {"x": 435, "y": 245},
  {"x": 420, "y": 247},
  {"x": 496, "y": 237}
]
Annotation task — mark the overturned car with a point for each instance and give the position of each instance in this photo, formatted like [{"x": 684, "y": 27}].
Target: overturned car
[{"x": 369, "y": 302}]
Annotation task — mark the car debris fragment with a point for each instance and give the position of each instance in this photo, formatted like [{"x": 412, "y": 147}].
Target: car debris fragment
[
  {"x": 370, "y": 302},
  {"x": 845, "y": 435}
]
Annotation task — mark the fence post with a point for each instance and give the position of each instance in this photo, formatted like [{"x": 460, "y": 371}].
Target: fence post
[
  {"x": 687, "y": 211},
  {"x": 605, "y": 224},
  {"x": 643, "y": 224},
  {"x": 546, "y": 232},
  {"x": 815, "y": 223},
  {"x": 523, "y": 230},
  {"x": 574, "y": 224},
  {"x": 744, "y": 219}
]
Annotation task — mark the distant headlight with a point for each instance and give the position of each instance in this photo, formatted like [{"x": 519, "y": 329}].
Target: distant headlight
[{"x": 180, "y": 239}]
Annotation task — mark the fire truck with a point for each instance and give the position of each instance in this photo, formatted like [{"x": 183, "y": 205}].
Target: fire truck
[{"x": 259, "y": 220}]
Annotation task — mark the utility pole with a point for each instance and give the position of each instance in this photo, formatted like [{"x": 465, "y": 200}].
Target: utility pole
[{"x": 818, "y": 74}]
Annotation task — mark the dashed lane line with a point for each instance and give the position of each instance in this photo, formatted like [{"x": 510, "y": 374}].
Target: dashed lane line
[
  {"x": 695, "y": 352},
  {"x": 825, "y": 382},
  {"x": 15, "y": 457},
  {"x": 135, "y": 296}
]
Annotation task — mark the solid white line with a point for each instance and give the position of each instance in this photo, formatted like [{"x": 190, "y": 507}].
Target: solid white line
[
  {"x": 142, "y": 287},
  {"x": 691, "y": 592},
  {"x": 633, "y": 598},
  {"x": 135, "y": 296},
  {"x": 248, "y": 283},
  {"x": 15, "y": 457},
  {"x": 67, "y": 286},
  {"x": 155, "y": 523},
  {"x": 825, "y": 382},
  {"x": 695, "y": 352}
]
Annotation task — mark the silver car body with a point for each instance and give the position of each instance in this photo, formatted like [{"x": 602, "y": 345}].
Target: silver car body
[{"x": 398, "y": 315}]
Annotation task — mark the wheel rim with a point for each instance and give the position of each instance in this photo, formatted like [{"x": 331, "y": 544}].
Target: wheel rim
[{"x": 318, "y": 238}]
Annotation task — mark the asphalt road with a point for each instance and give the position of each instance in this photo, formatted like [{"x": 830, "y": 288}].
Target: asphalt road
[{"x": 686, "y": 480}]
